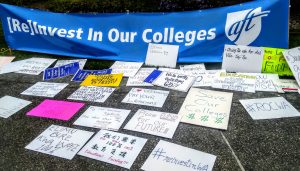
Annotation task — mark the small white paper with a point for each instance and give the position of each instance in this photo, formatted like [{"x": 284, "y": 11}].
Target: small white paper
[
  {"x": 11, "y": 105},
  {"x": 286, "y": 85},
  {"x": 292, "y": 57},
  {"x": 162, "y": 55},
  {"x": 35, "y": 66},
  {"x": 60, "y": 141},
  {"x": 176, "y": 71},
  {"x": 238, "y": 58},
  {"x": 205, "y": 79},
  {"x": 92, "y": 94},
  {"x": 147, "y": 97},
  {"x": 140, "y": 76},
  {"x": 129, "y": 69},
  {"x": 265, "y": 82},
  {"x": 193, "y": 69},
  {"x": 167, "y": 156},
  {"x": 269, "y": 108},
  {"x": 114, "y": 148},
  {"x": 206, "y": 108},
  {"x": 154, "y": 122},
  {"x": 65, "y": 62},
  {"x": 235, "y": 81},
  {"x": 102, "y": 118},
  {"x": 44, "y": 89}
]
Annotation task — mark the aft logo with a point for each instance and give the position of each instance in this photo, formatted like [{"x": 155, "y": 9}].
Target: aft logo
[{"x": 243, "y": 27}]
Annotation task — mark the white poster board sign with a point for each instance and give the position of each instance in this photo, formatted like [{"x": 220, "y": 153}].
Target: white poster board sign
[
  {"x": 34, "y": 66},
  {"x": 129, "y": 69},
  {"x": 65, "y": 62},
  {"x": 11, "y": 105},
  {"x": 292, "y": 57},
  {"x": 92, "y": 94},
  {"x": 140, "y": 76},
  {"x": 44, "y": 89}
]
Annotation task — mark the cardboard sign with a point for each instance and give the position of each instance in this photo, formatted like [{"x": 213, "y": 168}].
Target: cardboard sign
[
  {"x": 153, "y": 122},
  {"x": 274, "y": 62},
  {"x": 107, "y": 80},
  {"x": 167, "y": 156},
  {"x": 82, "y": 74},
  {"x": 92, "y": 94},
  {"x": 140, "y": 76},
  {"x": 238, "y": 58},
  {"x": 65, "y": 62},
  {"x": 56, "y": 109},
  {"x": 286, "y": 85},
  {"x": 162, "y": 55},
  {"x": 147, "y": 97},
  {"x": 114, "y": 148},
  {"x": 206, "y": 108},
  {"x": 269, "y": 108},
  {"x": 6, "y": 60},
  {"x": 265, "y": 82},
  {"x": 129, "y": 69},
  {"x": 44, "y": 89},
  {"x": 205, "y": 79},
  {"x": 103, "y": 118},
  {"x": 34, "y": 66},
  {"x": 292, "y": 57},
  {"x": 11, "y": 105},
  {"x": 60, "y": 141},
  {"x": 235, "y": 81},
  {"x": 61, "y": 71}
]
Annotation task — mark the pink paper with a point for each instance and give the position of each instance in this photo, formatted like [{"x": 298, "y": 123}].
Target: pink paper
[
  {"x": 5, "y": 60},
  {"x": 55, "y": 109}
]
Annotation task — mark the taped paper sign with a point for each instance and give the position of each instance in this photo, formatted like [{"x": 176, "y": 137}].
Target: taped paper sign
[
  {"x": 6, "y": 60},
  {"x": 65, "y": 62},
  {"x": 60, "y": 141},
  {"x": 163, "y": 155},
  {"x": 206, "y": 78},
  {"x": 92, "y": 94},
  {"x": 147, "y": 97},
  {"x": 274, "y": 62},
  {"x": 140, "y": 76},
  {"x": 114, "y": 148},
  {"x": 82, "y": 74},
  {"x": 286, "y": 85},
  {"x": 11, "y": 105},
  {"x": 102, "y": 118},
  {"x": 206, "y": 108},
  {"x": 235, "y": 81},
  {"x": 153, "y": 122},
  {"x": 107, "y": 80},
  {"x": 265, "y": 82},
  {"x": 236, "y": 58},
  {"x": 269, "y": 108},
  {"x": 56, "y": 109},
  {"x": 44, "y": 89},
  {"x": 162, "y": 55},
  {"x": 129, "y": 69},
  {"x": 292, "y": 57},
  {"x": 61, "y": 71}
]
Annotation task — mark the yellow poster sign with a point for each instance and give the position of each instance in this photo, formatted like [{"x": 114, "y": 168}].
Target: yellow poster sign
[{"x": 108, "y": 80}]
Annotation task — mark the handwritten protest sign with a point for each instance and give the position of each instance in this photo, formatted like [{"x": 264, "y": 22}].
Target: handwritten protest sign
[
  {"x": 60, "y": 141},
  {"x": 176, "y": 71},
  {"x": 65, "y": 62},
  {"x": 140, "y": 76},
  {"x": 205, "y": 79},
  {"x": 147, "y": 97},
  {"x": 274, "y": 62},
  {"x": 56, "y": 109},
  {"x": 44, "y": 89},
  {"x": 129, "y": 69},
  {"x": 194, "y": 69},
  {"x": 265, "y": 82},
  {"x": 235, "y": 81},
  {"x": 61, "y": 71},
  {"x": 35, "y": 66},
  {"x": 206, "y": 108},
  {"x": 102, "y": 118},
  {"x": 5, "y": 60},
  {"x": 238, "y": 58},
  {"x": 11, "y": 105},
  {"x": 286, "y": 85},
  {"x": 292, "y": 57},
  {"x": 162, "y": 55},
  {"x": 92, "y": 94},
  {"x": 167, "y": 156},
  {"x": 114, "y": 148},
  {"x": 80, "y": 75},
  {"x": 153, "y": 122},
  {"x": 107, "y": 80},
  {"x": 269, "y": 108}
]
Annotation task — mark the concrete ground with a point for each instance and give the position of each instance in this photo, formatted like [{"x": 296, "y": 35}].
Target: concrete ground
[{"x": 246, "y": 145}]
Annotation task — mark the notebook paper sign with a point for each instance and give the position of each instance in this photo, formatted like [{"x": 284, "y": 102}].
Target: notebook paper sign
[
  {"x": 11, "y": 105},
  {"x": 129, "y": 69},
  {"x": 61, "y": 71},
  {"x": 44, "y": 89},
  {"x": 92, "y": 94},
  {"x": 65, "y": 62},
  {"x": 107, "y": 80},
  {"x": 292, "y": 57},
  {"x": 238, "y": 58},
  {"x": 162, "y": 55},
  {"x": 185, "y": 159},
  {"x": 82, "y": 74}
]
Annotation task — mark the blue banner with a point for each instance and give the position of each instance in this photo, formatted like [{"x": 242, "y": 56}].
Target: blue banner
[{"x": 201, "y": 34}]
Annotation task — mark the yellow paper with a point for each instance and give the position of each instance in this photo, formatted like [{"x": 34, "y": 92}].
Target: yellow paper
[{"x": 108, "y": 80}]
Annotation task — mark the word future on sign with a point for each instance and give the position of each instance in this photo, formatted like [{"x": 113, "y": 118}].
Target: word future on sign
[
  {"x": 103, "y": 118},
  {"x": 292, "y": 57},
  {"x": 269, "y": 108},
  {"x": 162, "y": 55},
  {"x": 235, "y": 81},
  {"x": 238, "y": 58},
  {"x": 109, "y": 80},
  {"x": 114, "y": 148},
  {"x": 61, "y": 71},
  {"x": 82, "y": 74},
  {"x": 44, "y": 89},
  {"x": 92, "y": 94},
  {"x": 265, "y": 82},
  {"x": 129, "y": 69},
  {"x": 6, "y": 60},
  {"x": 147, "y": 97},
  {"x": 60, "y": 141},
  {"x": 140, "y": 76},
  {"x": 153, "y": 122},
  {"x": 11, "y": 105},
  {"x": 55, "y": 109},
  {"x": 172, "y": 157},
  {"x": 206, "y": 108},
  {"x": 65, "y": 62}
]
